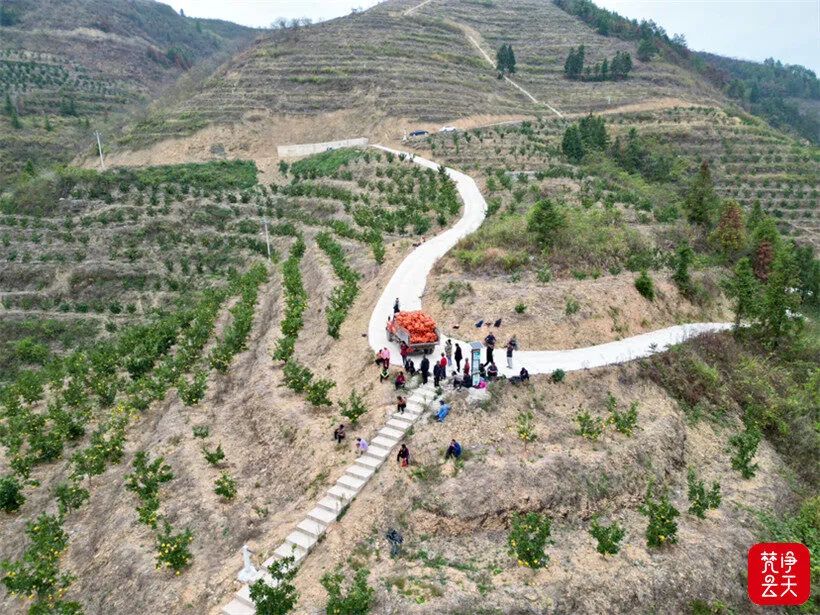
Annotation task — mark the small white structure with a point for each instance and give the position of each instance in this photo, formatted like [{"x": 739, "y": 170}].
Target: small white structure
[{"x": 249, "y": 571}]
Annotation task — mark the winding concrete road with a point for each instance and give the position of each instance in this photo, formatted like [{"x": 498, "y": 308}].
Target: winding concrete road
[{"x": 408, "y": 283}]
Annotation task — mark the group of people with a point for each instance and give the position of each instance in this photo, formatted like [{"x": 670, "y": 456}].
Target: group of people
[{"x": 452, "y": 356}]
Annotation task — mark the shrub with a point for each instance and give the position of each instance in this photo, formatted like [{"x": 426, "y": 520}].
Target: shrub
[
  {"x": 626, "y": 421},
  {"x": 353, "y": 408},
  {"x": 588, "y": 426},
  {"x": 520, "y": 308},
  {"x": 37, "y": 574},
  {"x": 145, "y": 481},
  {"x": 745, "y": 446},
  {"x": 193, "y": 392},
  {"x": 662, "y": 527},
  {"x": 214, "y": 457},
  {"x": 297, "y": 377},
  {"x": 645, "y": 285},
  {"x": 453, "y": 290},
  {"x": 528, "y": 538},
  {"x": 317, "y": 392},
  {"x": 11, "y": 494},
  {"x": 525, "y": 427},
  {"x": 558, "y": 376},
  {"x": 572, "y": 306},
  {"x": 701, "y": 500},
  {"x": 173, "y": 549},
  {"x": 225, "y": 486},
  {"x": 608, "y": 537},
  {"x": 358, "y": 599},
  {"x": 201, "y": 431},
  {"x": 70, "y": 496},
  {"x": 342, "y": 297},
  {"x": 280, "y": 598}
]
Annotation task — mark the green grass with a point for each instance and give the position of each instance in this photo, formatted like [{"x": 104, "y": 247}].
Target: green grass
[{"x": 326, "y": 163}]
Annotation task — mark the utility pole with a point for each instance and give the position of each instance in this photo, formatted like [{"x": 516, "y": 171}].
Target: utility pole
[
  {"x": 99, "y": 147},
  {"x": 267, "y": 238}
]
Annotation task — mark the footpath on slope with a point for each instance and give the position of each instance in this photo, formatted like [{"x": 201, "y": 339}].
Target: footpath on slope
[
  {"x": 410, "y": 278},
  {"x": 310, "y": 530},
  {"x": 407, "y": 284}
]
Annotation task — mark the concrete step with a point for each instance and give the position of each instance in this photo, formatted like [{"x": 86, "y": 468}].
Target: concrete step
[
  {"x": 288, "y": 549},
  {"x": 377, "y": 451},
  {"x": 238, "y": 607},
  {"x": 330, "y": 504},
  {"x": 372, "y": 463},
  {"x": 383, "y": 442},
  {"x": 312, "y": 527},
  {"x": 322, "y": 515},
  {"x": 359, "y": 472},
  {"x": 301, "y": 539},
  {"x": 399, "y": 424},
  {"x": 350, "y": 482},
  {"x": 343, "y": 494},
  {"x": 388, "y": 432}
]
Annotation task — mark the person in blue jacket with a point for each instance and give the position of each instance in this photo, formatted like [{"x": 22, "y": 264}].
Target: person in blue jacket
[
  {"x": 454, "y": 450},
  {"x": 443, "y": 411}
]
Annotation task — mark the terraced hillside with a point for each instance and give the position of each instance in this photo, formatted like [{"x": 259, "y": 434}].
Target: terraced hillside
[
  {"x": 138, "y": 304},
  {"x": 66, "y": 65},
  {"x": 418, "y": 67},
  {"x": 750, "y": 162}
]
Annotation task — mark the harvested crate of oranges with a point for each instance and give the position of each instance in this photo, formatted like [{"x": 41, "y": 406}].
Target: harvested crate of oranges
[{"x": 420, "y": 327}]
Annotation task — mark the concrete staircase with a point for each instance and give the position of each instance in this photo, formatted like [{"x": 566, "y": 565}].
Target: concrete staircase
[{"x": 308, "y": 531}]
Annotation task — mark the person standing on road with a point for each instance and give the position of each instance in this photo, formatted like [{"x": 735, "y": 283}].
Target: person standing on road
[
  {"x": 512, "y": 346},
  {"x": 448, "y": 351},
  {"x": 396, "y": 309},
  {"x": 436, "y": 374},
  {"x": 458, "y": 358},
  {"x": 489, "y": 341},
  {"x": 454, "y": 450},
  {"x": 467, "y": 369},
  {"x": 424, "y": 368}
]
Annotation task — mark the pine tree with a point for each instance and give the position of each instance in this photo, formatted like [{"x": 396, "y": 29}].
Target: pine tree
[
  {"x": 730, "y": 234},
  {"x": 593, "y": 132},
  {"x": 633, "y": 155},
  {"x": 505, "y": 59},
  {"x": 683, "y": 259},
  {"x": 605, "y": 70},
  {"x": 646, "y": 50},
  {"x": 781, "y": 301},
  {"x": 701, "y": 199},
  {"x": 510, "y": 60},
  {"x": 744, "y": 289},
  {"x": 572, "y": 145},
  {"x": 574, "y": 65},
  {"x": 545, "y": 221}
]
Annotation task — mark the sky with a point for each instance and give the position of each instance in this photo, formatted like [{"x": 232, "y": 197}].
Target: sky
[{"x": 787, "y": 30}]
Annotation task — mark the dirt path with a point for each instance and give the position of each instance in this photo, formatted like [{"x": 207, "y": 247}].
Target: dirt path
[
  {"x": 412, "y": 9},
  {"x": 410, "y": 279}
]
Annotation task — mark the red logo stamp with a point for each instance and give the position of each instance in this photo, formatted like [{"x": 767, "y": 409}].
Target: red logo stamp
[{"x": 779, "y": 574}]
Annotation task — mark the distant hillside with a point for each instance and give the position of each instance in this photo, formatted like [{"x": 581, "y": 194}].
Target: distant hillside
[
  {"x": 782, "y": 94},
  {"x": 788, "y": 96},
  {"x": 66, "y": 66},
  {"x": 422, "y": 65}
]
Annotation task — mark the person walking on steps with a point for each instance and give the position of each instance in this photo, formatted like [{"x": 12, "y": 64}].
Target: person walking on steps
[
  {"x": 454, "y": 450},
  {"x": 489, "y": 342},
  {"x": 404, "y": 456},
  {"x": 424, "y": 368},
  {"x": 401, "y": 404},
  {"x": 339, "y": 434},
  {"x": 361, "y": 446},
  {"x": 512, "y": 346},
  {"x": 448, "y": 351}
]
